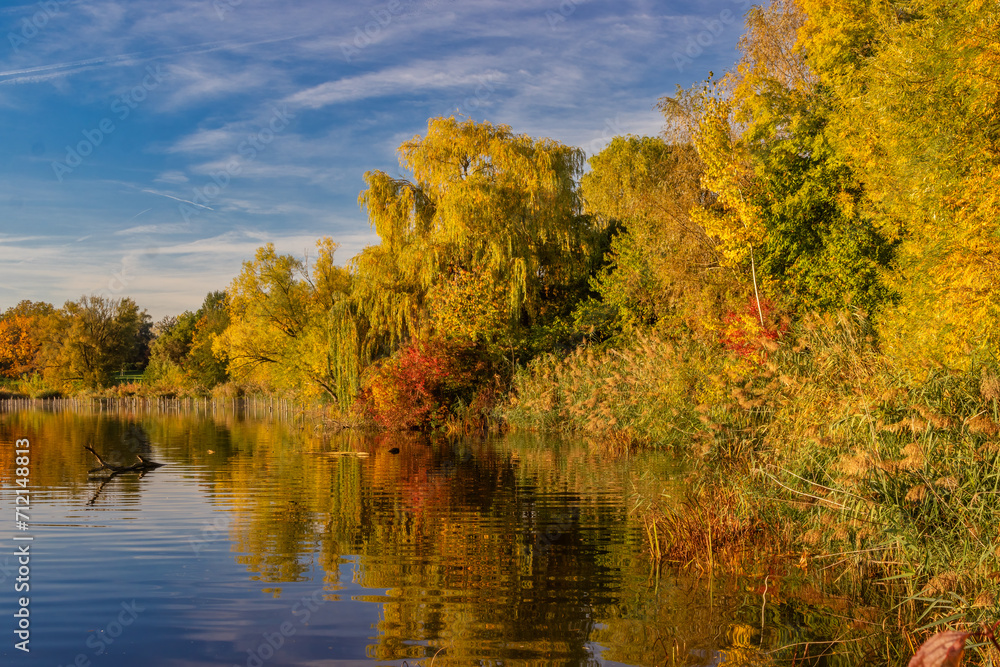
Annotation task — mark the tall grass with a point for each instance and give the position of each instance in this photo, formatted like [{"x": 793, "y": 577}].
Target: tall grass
[
  {"x": 651, "y": 391},
  {"x": 817, "y": 447}
]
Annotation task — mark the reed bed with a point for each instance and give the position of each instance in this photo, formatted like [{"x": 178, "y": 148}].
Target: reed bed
[{"x": 818, "y": 449}]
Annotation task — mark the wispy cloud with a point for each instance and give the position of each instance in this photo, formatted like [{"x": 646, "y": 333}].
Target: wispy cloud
[
  {"x": 423, "y": 76},
  {"x": 173, "y": 176},
  {"x": 172, "y": 229},
  {"x": 579, "y": 72},
  {"x": 49, "y": 71},
  {"x": 209, "y": 141}
]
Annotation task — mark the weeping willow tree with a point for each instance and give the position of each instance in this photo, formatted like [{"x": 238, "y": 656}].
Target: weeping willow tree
[{"x": 483, "y": 202}]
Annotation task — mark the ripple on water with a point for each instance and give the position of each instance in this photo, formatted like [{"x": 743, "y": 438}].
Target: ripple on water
[{"x": 511, "y": 550}]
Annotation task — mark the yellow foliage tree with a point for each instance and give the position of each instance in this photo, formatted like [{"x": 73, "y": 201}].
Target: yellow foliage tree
[
  {"x": 469, "y": 306},
  {"x": 918, "y": 95},
  {"x": 280, "y": 333},
  {"x": 484, "y": 242},
  {"x": 482, "y": 199},
  {"x": 788, "y": 202}
]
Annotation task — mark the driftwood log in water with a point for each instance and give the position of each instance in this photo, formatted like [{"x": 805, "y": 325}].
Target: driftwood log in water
[{"x": 143, "y": 465}]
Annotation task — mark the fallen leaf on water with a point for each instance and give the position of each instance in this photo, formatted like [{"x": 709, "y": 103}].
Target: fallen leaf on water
[{"x": 945, "y": 649}]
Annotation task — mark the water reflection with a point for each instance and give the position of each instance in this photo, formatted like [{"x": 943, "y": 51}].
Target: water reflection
[
  {"x": 514, "y": 551},
  {"x": 462, "y": 543}
]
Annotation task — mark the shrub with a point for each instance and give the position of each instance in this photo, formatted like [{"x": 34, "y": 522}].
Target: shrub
[
  {"x": 744, "y": 334},
  {"x": 36, "y": 387},
  {"x": 418, "y": 386}
]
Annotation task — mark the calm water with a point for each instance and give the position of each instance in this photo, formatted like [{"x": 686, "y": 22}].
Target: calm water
[{"x": 258, "y": 543}]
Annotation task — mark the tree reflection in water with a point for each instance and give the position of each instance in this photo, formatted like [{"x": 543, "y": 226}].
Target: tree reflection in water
[{"x": 515, "y": 550}]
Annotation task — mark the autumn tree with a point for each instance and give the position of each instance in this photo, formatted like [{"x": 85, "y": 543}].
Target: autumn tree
[
  {"x": 90, "y": 340},
  {"x": 20, "y": 337},
  {"x": 482, "y": 248},
  {"x": 662, "y": 266},
  {"x": 280, "y": 332},
  {"x": 792, "y": 215},
  {"x": 487, "y": 215},
  {"x": 916, "y": 89}
]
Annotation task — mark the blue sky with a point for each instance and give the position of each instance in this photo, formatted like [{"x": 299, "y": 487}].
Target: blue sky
[{"x": 148, "y": 148}]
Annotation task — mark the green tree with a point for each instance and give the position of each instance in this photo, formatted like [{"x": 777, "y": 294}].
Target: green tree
[
  {"x": 202, "y": 365},
  {"x": 173, "y": 337},
  {"x": 168, "y": 351},
  {"x": 181, "y": 353},
  {"x": 791, "y": 207},
  {"x": 90, "y": 340}
]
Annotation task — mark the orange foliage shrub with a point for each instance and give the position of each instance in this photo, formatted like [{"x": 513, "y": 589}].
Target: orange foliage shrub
[{"x": 417, "y": 387}]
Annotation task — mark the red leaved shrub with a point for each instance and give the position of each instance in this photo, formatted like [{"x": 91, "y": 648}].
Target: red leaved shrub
[
  {"x": 416, "y": 387},
  {"x": 743, "y": 334}
]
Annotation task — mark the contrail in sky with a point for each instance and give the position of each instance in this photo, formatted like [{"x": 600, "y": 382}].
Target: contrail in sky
[{"x": 154, "y": 192}]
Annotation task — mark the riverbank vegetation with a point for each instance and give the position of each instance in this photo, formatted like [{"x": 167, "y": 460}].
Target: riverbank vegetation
[{"x": 794, "y": 286}]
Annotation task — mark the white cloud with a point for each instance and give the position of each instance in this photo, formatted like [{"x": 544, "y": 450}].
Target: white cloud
[
  {"x": 208, "y": 141},
  {"x": 581, "y": 81},
  {"x": 176, "y": 228},
  {"x": 166, "y": 278},
  {"x": 419, "y": 77},
  {"x": 173, "y": 176}
]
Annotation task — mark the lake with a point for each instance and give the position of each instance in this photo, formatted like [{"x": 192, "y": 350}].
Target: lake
[{"x": 263, "y": 541}]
